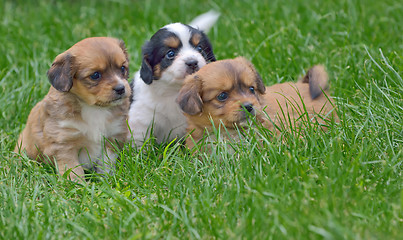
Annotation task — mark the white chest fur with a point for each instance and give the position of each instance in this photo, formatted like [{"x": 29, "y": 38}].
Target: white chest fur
[
  {"x": 154, "y": 105},
  {"x": 96, "y": 123}
]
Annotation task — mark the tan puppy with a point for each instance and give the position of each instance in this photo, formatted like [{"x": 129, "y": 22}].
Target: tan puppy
[
  {"x": 229, "y": 91},
  {"x": 85, "y": 109},
  {"x": 290, "y": 105}
]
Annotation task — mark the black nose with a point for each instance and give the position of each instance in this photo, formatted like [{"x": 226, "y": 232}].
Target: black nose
[
  {"x": 192, "y": 64},
  {"x": 119, "y": 89},
  {"x": 248, "y": 107}
]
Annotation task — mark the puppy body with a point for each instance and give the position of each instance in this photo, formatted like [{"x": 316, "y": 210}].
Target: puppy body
[
  {"x": 287, "y": 105},
  {"x": 174, "y": 52},
  {"x": 228, "y": 92},
  {"x": 84, "y": 110},
  {"x": 152, "y": 110}
]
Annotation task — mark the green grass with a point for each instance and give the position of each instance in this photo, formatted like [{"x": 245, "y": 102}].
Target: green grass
[{"x": 342, "y": 184}]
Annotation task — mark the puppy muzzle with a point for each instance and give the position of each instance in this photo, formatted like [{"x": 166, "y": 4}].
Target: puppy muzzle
[
  {"x": 119, "y": 89},
  {"x": 118, "y": 94},
  {"x": 247, "y": 111},
  {"x": 248, "y": 108},
  {"x": 192, "y": 66}
]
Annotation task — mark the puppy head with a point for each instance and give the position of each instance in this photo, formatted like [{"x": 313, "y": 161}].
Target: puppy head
[
  {"x": 173, "y": 52},
  {"x": 227, "y": 91},
  {"x": 95, "y": 70}
]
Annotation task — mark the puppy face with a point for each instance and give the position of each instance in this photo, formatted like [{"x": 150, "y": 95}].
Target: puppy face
[
  {"x": 95, "y": 70},
  {"x": 227, "y": 91},
  {"x": 173, "y": 52}
]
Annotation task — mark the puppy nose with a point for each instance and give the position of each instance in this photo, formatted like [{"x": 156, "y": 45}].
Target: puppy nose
[
  {"x": 192, "y": 64},
  {"x": 119, "y": 89},
  {"x": 248, "y": 107}
]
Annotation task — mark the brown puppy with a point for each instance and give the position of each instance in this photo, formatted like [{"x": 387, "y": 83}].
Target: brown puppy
[
  {"x": 289, "y": 105},
  {"x": 228, "y": 91},
  {"x": 84, "y": 111}
]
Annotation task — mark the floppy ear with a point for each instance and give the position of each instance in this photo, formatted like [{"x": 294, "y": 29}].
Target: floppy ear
[
  {"x": 211, "y": 57},
  {"x": 189, "y": 99},
  {"x": 209, "y": 54},
  {"x": 61, "y": 74},
  {"x": 146, "y": 71},
  {"x": 259, "y": 82},
  {"x": 122, "y": 45},
  {"x": 258, "y": 79}
]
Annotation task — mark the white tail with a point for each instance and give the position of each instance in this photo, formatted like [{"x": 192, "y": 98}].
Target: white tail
[{"x": 205, "y": 21}]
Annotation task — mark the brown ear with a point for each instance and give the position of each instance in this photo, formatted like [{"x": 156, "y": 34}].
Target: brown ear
[
  {"x": 122, "y": 45},
  {"x": 259, "y": 82},
  {"x": 61, "y": 74},
  {"x": 189, "y": 98},
  {"x": 258, "y": 79}
]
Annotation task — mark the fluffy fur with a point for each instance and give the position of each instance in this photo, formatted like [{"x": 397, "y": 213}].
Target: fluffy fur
[
  {"x": 84, "y": 110},
  {"x": 287, "y": 105},
  {"x": 173, "y": 52},
  {"x": 228, "y": 92}
]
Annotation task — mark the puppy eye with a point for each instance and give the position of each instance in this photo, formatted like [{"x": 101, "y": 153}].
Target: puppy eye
[
  {"x": 123, "y": 69},
  {"x": 199, "y": 49},
  {"x": 222, "y": 96},
  {"x": 95, "y": 76},
  {"x": 252, "y": 90},
  {"x": 170, "y": 54}
]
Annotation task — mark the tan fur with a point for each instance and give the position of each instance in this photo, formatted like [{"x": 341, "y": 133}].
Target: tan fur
[
  {"x": 172, "y": 42},
  {"x": 157, "y": 70},
  {"x": 289, "y": 104},
  {"x": 198, "y": 97},
  {"x": 57, "y": 129},
  {"x": 196, "y": 39}
]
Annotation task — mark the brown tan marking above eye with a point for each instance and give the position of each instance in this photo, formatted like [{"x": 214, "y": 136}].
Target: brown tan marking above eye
[
  {"x": 172, "y": 42},
  {"x": 195, "y": 40}
]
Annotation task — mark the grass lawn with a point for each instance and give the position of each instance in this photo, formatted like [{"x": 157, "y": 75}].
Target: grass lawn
[{"x": 342, "y": 184}]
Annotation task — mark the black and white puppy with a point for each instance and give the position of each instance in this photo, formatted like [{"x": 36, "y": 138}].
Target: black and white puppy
[{"x": 173, "y": 52}]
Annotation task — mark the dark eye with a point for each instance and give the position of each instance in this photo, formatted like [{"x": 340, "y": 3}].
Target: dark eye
[
  {"x": 123, "y": 69},
  {"x": 252, "y": 90},
  {"x": 95, "y": 76},
  {"x": 199, "y": 49},
  {"x": 222, "y": 96},
  {"x": 170, "y": 54}
]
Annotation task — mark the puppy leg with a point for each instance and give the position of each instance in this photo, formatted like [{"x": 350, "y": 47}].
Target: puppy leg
[
  {"x": 107, "y": 163},
  {"x": 66, "y": 162},
  {"x": 140, "y": 129}
]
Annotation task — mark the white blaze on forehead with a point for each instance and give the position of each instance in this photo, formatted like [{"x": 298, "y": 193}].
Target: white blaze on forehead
[
  {"x": 182, "y": 31},
  {"x": 178, "y": 70}
]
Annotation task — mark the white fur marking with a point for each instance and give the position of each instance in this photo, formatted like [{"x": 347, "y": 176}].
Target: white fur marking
[{"x": 95, "y": 126}]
